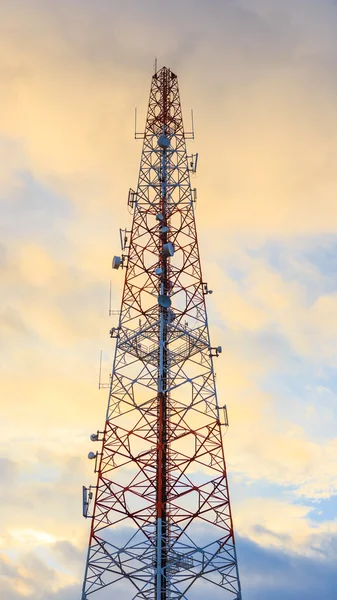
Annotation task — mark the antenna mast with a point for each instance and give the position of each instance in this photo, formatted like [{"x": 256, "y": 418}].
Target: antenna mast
[{"x": 161, "y": 524}]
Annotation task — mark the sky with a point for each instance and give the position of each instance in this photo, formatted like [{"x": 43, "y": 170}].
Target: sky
[{"x": 261, "y": 78}]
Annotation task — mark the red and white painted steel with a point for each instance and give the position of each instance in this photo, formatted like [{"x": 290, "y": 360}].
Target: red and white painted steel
[{"x": 161, "y": 524}]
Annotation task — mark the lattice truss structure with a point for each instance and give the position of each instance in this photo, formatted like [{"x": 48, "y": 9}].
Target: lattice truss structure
[{"x": 161, "y": 519}]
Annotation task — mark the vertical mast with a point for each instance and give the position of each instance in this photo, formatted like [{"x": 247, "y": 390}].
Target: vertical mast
[{"x": 161, "y": 529}]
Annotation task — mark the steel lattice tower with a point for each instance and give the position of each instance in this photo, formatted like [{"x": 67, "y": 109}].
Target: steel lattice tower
[{"x": 161, "y": 519}]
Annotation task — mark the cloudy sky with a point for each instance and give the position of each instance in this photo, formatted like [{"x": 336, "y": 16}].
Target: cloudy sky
[{"x": 261, "y": 77}]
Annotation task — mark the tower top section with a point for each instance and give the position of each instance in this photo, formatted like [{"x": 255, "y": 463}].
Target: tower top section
[
  {"x": 164, "y": 71},
  {"x": 164, "y": 112}
]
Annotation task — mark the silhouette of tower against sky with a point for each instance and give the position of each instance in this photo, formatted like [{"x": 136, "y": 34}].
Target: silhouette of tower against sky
[{"x": 161, "y": 524}]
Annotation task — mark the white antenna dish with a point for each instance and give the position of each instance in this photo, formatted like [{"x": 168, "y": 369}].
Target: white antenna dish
[
  {"x": 91, "y": 455},
  {"x": 164, "y": 301},
  {"x": 94, "y": 437}
]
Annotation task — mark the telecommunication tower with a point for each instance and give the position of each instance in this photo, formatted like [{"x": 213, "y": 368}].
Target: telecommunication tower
[{"x": 161, "y": 524}]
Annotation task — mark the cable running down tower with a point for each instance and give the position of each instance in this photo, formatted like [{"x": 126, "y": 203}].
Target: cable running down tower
[{"x": 161, "y": 524}]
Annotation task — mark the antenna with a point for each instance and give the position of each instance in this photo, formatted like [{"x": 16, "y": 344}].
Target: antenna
[
  {"x": 155, "y": 65},
  {"x": 189, "y": 135},
  {"x": 100, "y": 371},
  {"x": 138, "y": 135},
  {"x": 100, "y": 384},
  {"x": 109, "y": 300}
]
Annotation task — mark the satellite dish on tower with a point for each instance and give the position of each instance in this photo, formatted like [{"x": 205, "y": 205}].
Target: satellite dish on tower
[
  {"x": 164, "y": 301},
  {"x": 163, "y": 142}
]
